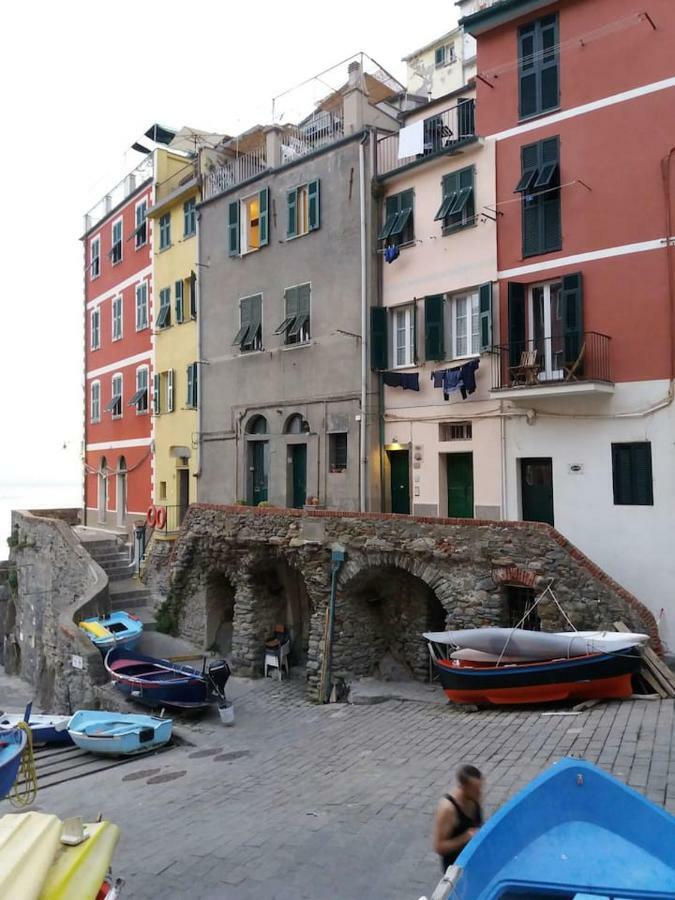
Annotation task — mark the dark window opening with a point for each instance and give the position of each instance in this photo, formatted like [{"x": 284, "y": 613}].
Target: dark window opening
[
  {"x": 337, "y": 452},
  {"x": 520, "y": 609},
  {"x": 632, "y": 474}
]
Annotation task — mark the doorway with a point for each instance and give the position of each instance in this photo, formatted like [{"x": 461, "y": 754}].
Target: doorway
[
  {"x": 536, "y": 485},
  {"x": 183, "y": 493},
  {"x": 121, "y": 492},
  {"x": 102, "y": 490},
  {"x": 258, "y": 465},
  {"x": 298, "y": 454},
  {"x": 400, "y": 481},
  {"x": 548, "y": 330},
  {"x": 460, "y": 485}
]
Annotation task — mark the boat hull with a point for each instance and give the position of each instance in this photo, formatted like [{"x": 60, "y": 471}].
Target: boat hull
[
  {"x": 597, "y": 676},
  {"x": 119, "y": 629},
  {"x": 118, "y": 734},
  {"x": 156, "y": 682},
  {"x": 43, "y": 728},
  {"x": 12, "y": 743}
]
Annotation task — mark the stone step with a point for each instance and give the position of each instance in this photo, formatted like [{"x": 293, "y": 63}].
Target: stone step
[
  {"x": 120, "y": 575},
  {"x": 112, "y": 559},
  {"x": 126, "y": 603},
  {"x": 145, "y": 615}
]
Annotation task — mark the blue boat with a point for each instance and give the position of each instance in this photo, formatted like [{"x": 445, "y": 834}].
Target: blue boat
[
  {"x": 119, "y": 629},
  {"x": 118, "y": 734},
  {"x": 160, "y": 682},
  {"x": 45, "y": 729},
  {"x": 574, "y": 832},
  {"x": 12, "y": 742}
]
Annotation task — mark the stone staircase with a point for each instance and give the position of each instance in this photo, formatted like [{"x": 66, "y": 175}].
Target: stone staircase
[{"x": 126, "y": 591}]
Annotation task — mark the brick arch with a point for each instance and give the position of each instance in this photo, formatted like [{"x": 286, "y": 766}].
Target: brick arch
[{"x": 514, "y": 575}]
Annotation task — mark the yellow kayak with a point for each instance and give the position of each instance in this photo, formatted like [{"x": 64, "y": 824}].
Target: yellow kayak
[
  {"x": 78, "y": 872},
  {"x": 95, "y": 629}
]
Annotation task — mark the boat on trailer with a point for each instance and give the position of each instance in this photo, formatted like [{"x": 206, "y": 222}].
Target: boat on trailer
[
  {"x": 118, "y": 734},
  {"x": 12, "y": 744},
  {"x": 574, "y": 833}
]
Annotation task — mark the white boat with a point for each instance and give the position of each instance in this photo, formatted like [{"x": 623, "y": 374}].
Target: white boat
[
  {"x": 537, "y": 645},
  {"x": 46, "y": 729}
]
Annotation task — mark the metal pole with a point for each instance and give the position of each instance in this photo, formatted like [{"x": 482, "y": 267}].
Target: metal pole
[{"x": 363, "y": 445}]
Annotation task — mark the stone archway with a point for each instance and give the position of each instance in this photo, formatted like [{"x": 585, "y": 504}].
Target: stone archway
[
  {"x": 220, "y": 600},
  {"x": 280, "y": 597},
  {"x": 380, "y": 616}
]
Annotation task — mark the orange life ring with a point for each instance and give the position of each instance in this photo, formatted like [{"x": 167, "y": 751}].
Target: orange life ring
[
  {"x": 161, "y": 516},
  {"x": 151, "y": 516}
]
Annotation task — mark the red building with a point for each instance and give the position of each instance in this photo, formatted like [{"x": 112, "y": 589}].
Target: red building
[
  {"x": 578, "y": 97},
  {"x": 118, "y": 353}
]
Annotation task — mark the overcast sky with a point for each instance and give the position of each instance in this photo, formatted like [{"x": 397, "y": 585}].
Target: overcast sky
[{"x": 81, "y": 81}]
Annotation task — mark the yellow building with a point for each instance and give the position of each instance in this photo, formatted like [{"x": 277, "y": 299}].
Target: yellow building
[{"x": 175, "y": 338}]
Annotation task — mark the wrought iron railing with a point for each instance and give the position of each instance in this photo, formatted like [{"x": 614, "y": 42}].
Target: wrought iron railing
[
  {"x": 170, "y": 520},
  {"x": 234, "y": 172},
  {"x": 442, "y": 132},
  {"x": 563, "y": 359},
  {"x": 321, "y": 128}
]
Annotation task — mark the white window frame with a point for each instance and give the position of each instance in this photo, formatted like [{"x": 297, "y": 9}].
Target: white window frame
[
  {"x": 142, "y": 287},
  {"x": 546, "y": 372},
  {"x": 116, "y": 376},
  {"x": 146, "y": 370},
  {"x": 143, "y": 202},
  {"x": 169, "y": 391},
  {"x": 95, "y": 416},
  {"x": 95, "y": 242},
  {"x": 243, "y": 223},
  {"x": 471, "y": 334},
  {"x": 119, "y": 299},
  {"x": 119, "y": 222},
  {"x": 95, "y": 332},
  {"x": 407, "y": 310}
]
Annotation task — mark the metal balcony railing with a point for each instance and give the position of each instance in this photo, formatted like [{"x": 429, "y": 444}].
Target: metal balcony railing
[
  {"x": 173, "y": 518},
  {"x": 321, "y": 128},
  {"x": 235, "y": 172},
  {"x": 442, "y": 132},
  {"x": 567, "y": 358},
  {"x": 119, "y": 192}
]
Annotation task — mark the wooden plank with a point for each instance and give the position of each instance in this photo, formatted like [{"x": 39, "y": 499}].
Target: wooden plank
[
  {"x": 657, "y": 669},
  {"x": 649, "y": 679}
]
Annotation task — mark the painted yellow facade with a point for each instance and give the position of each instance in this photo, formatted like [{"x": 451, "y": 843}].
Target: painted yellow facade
[{"x": 177, "y": 190}]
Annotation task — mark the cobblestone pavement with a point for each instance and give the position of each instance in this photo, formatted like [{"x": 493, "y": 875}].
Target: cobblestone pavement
[{"x": 299, "y": 801}]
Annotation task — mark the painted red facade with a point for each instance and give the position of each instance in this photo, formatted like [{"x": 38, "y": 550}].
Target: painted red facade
[{"x": 118, "y": 468}]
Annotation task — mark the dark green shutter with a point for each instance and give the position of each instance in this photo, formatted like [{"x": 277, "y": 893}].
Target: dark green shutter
[
  {"x": 643, "y": 489},
  {"x": 539, "y": 88},
  {"x": 378, "y": 338},
  {"x": 292, "y": 229},
  {"x": 516, "y": 313},
  {"x": 527, "y": 72},
  {"x": 313, "y": 203},
  {"x": 572, "y": 315},
  {"x": 549, "y": 94},
  {"x": 550, "y": 201},
  {"x": 233, "y": 229},
  {"x": 414, "y": 333},
  {"x": 632, "y": 474},
  {"x": 485, "y": 306},
  {"x": 179, "y": 302},
  {"x": 433, "y": 327},
  {"x": 263, "y": 216}
]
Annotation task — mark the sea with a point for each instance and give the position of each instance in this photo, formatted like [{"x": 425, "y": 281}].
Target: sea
[{"x": 33, "y": 496}]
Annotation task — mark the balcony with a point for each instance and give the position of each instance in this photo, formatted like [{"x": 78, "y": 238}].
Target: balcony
[
  {"x": 443, "y": 132},
  {"x": 572, "y": 363},
  {"x": 123, "y": 189},
  {"x": 235, "y": 171}
]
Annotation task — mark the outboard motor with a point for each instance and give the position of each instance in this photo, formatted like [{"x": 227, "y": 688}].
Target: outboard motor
[{"x": 218, "y": 675}]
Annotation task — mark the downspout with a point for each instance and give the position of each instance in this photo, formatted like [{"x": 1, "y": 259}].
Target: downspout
[
  {"x": 200, "y": 368},
  {"x": 363, "y": 446},
  {"x": 337, "y": 558}
]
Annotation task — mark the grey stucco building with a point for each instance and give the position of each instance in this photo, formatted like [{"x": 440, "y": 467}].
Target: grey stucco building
[{"x": 286, "y": 269}]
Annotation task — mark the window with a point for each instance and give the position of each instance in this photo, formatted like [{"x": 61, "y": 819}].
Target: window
[
  {"x": 398, "y": 225},
  {"x": 164, "y": 314},
  {"x": 156, "y": 394},
  {"x": 439, "y": 56},
  {"x": 539, "y": 185},
  {"x": 95, "y": 402},
  {"x": 403, "y": 336},
  {"x": 192, "y": 386},
  {"x": 632, "y": 474},
  {"x": 141, "y": 305},
  {"x": 117, "y": 319},
  {"x": 249, "y": 336},
  {"x": 165, "y": 231},
  {"x": 95, "y": 329},
  {"x": 457, "y": 207},
  {"x": 459, "y": 325},
  {"x": 116, "y": 248},
  {"x": 295, "y": 326},
  {"x": 538, "y": 67},
  {"x": 248, "y": 223},
  {"x": 193, "y": 295},
  {"x": 337, "y": 452},
  {"x": 180, "y": 309},
  {"x": 189, "y": 217},
  {"x": 95, "y": 257},
  {"x": 162, "y": 490},
  {"x": 169, "y": 390},
  {"x": 140, "y": 397},
  {"x": 464, "y": 325},
  {"x": 454, "y": 431},
  {"x": 115, "y": 405},
  {"x": 303, "y": 209},
  {"x": 141, "y": 232}
]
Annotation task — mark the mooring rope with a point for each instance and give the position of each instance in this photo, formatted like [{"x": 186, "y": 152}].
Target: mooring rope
[{"x": 27, "y": 774}]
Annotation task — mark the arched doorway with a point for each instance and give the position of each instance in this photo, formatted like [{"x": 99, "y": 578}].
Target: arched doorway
[
  {"x": 380, "y": 617},
  {"x": 121, "y": 492},
  {"x": 282, "y": 599},
  {"x": 220, "y": 598},
  {"x": 296, "y": 482},
  {"x": 102, "y": 490},
  {"x": 257, "y": 452}
]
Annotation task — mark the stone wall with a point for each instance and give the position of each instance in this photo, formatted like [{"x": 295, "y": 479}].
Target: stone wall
[{"x": 401, "y": 575}]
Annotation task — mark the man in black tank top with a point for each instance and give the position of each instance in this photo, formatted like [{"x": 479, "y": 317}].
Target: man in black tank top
[{"x": 458, "y": 815}]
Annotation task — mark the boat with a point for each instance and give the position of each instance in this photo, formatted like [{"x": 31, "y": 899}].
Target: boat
[
  {"x": 574, "y": 832},
  {"x": 538, "y": 645},
  {"x": 118, "y": 734},
  {"x": 118, "y": 629},
  {"x": 160, "y": 682},
  {"x": 45, "y": 729},
  {"x": 590, "y": 677},
  {"x": 42, "y": 858},
  {"x": 12, "y": 744}
]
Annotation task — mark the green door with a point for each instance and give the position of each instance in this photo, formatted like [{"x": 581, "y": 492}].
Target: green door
[
  {"x": 257, "y": 472},
  {"x": 460, "y": 485},
  {"x": 400, "y": 481},
  {"x": 299, "y": 474},
  {"x": 536, "y": 480}
]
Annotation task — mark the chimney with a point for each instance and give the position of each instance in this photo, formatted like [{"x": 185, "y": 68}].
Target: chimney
[{"x": 354, "y": 71}]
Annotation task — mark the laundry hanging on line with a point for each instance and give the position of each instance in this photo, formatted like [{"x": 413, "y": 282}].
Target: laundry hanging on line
[
  {"x": 409, "y": 381},
  {"x": 459, "y": 378}
]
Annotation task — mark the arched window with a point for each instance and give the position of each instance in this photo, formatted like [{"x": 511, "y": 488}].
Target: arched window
[
  {"x": 121, "y": 464},
  {"x": 294, "y": 424},
  {"x": 103, "y": 465},
  {"x": 257, "y": 425}
]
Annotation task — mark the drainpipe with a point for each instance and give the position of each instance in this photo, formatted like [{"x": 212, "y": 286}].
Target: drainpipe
[
  {"x": 200, "y": 368},
  {"x": 337, "y": 557},
  {"x": 363, "y": 445}
]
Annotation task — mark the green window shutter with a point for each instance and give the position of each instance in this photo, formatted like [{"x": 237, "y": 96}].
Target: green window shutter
[
  {"x": 263, "y": 206},
  {"x": 527, "y": 71},
  {"x": 156, "y": 404},
  {"x": 193, "y": 295},
  {"x": 378, "y": 338},
  {"x": 407, "y": 199},
  {"x": 292, "y": 229},
  {"x": 190, "y": 384},
  {"x": 169, "y": 391},
  {"x": 516, "y": 319},
  {"x": 180, "y": 312},
  {"x": 292, "y": 301},
  {"x": 485, "y": 311},
  {"x": 573, "y": 316},
  {"x": 433, "y": 327},
  {"x": 549, "y": 88},
  {"x": 643, "y": 488},
  {"x": 313, "y": 204},
  {"x": 233, "y": 229},
  {"x": 632, "y": 475},
  {"x": 304, "y": 293}
]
